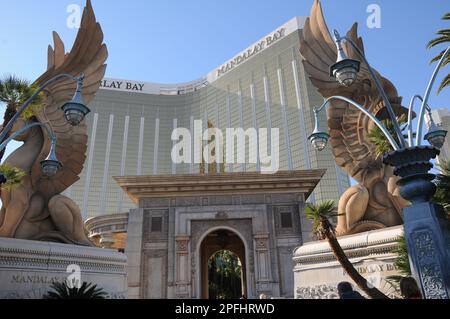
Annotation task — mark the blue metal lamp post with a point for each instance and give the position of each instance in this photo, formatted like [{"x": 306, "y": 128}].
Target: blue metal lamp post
[{"x": 425, "y": 224}]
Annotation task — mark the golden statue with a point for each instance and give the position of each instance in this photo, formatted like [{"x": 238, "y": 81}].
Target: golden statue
[
  {"x": 212, "y": 167},
  {"x": 36, "y": 210},
  {"x": 375, "y": 202}
]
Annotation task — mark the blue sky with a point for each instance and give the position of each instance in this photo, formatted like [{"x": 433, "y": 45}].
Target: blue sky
[{"x": 176, "y": 41}]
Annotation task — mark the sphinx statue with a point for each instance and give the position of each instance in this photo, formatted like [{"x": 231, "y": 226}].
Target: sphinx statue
[
  {"x": 374, "y": 202},
  {"x": 36, "y": 210}
]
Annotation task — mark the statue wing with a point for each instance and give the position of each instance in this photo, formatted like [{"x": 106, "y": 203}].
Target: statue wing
[
  {"x": 88, "y": 56},
  {"x": 348, "y": 126}
]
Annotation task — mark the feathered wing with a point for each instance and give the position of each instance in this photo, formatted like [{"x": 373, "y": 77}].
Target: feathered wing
[
  {"x": 88, "y": 56},
  {"x": 348, "y": 126}
]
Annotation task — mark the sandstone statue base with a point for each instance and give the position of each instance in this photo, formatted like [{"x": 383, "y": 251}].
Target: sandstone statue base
[
  {"x": 317, "y": 273},
  {"x": 27, "y": 268}
]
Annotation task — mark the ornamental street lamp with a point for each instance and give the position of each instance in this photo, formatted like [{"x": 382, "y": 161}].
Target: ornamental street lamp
[
  {"x": 50, "y": 165},
  {"x": 345, "y": 70},
  {"x": 425, "y": 224},
  {"x": 74, "y": 112}
]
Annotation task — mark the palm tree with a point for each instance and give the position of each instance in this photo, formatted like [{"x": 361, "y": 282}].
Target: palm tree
[
  {"x": 444, "y": 37},
  {"x": 14, "y": 92},
  {"x": 87, "y": 291},
  {"x": 319, "y": 214}
]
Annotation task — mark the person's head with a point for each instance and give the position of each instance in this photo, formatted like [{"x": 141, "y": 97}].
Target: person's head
[
  {"x": 409, "y": 288},
  {"x": 263, "y": 296},
  {"x": 344, "y": 287}
]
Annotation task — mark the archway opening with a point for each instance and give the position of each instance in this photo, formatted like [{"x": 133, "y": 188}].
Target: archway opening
[
  {"x": 224, "y": 275},
  {"x": 223, "y": 268}
]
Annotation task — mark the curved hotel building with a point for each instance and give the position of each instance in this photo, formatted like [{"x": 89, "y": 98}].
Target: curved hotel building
[{"x": 264, "y": 86}]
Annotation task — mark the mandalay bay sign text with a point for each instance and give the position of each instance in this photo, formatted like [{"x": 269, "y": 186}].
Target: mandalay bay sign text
[{"x": 258, "y": 47}]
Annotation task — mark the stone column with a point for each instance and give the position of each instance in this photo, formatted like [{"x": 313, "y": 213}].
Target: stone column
[
  {"x": 134, "y": 252},
  {"x": 183, "y": 282},
  {"x": 262, "y": 264},
  {"x": 106, "y": 240}
]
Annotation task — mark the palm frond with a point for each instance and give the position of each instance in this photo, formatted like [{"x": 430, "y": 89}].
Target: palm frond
[
  {"x": 442, "y": 181},
  {"x": 13, "y": 176},
  {"x": 439, "y": 56},
  {"x": 402, "y": 261},
  {"x": 444, "y": 37},
  {"x": 380, "y": 141},
  {"x": 12, "y": 89},
  {"x": 86, "y": 291},
  {"x": 319, "y": 214},
  {"x": 445, "y": 83},
  {"x": 437, "y": 41}
]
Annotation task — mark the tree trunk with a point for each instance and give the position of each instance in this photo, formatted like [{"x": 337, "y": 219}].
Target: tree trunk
[{"x": 339, "y": 253}]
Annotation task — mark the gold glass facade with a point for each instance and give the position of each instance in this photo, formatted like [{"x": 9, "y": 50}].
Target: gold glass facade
[{"x": 130, "y": 133}]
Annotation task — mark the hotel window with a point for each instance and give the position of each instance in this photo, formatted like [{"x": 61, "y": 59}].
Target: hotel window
[
  {"x": 156, "y": 226},
  {"x": 286, "y": 220}
]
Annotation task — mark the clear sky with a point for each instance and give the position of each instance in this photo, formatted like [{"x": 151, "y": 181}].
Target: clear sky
[{"x": 175, "y": 41}]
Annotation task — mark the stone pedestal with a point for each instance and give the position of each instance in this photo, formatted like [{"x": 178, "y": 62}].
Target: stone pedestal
[
  {"x": 27, "y": 268},
  {"x": 317, "y": 273}
]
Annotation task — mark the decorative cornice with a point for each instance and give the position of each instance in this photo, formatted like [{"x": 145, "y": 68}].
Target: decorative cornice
[
  {"x": 53, "y": 256},
  {"x": 138, "y": 187}
]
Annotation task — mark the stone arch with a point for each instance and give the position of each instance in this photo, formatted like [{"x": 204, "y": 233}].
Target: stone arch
[{"x": 202, "y": 260}]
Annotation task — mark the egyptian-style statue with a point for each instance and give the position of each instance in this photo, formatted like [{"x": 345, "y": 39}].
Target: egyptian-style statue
[
  {"x": 36, "y": 210},
  {"x": 374, "y": 202}
]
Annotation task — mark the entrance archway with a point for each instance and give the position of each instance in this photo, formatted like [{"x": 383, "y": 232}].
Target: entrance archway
[{"x": 221, "y": 240}]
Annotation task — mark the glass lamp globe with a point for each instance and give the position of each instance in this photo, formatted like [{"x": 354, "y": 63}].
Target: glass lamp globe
[
  {"x": 436, "y": 136},
  {"x": 75, "y": 112},
  {"x": 51, "y": 165},
  {"x": 345, "y": 71},
  {"x": 319, "y": 140}
]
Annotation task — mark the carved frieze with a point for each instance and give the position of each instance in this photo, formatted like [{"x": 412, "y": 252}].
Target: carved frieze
[{"x": 431, "y": 274}]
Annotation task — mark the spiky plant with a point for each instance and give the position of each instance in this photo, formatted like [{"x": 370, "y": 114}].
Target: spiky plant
[
  {"x": 12, "y": 175},
  {"x": 402, "y": 261},
  {"x": 319, "y": 214},
  {"x": 14, "y": 92},
  {"x": 442, "y": 181},
  {"x": 443, "y": 37},
  {"x": 87, "y": 291},
  {"x": 379, "y": 140}
]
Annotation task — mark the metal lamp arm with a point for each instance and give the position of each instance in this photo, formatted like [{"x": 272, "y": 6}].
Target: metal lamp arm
[
  {"x": 427, "y": 96},
  {"x": 10, "y": 124},
  {"x": 362, "y": 109},
  {"x": 410, "y": 113},
  {"x": 24, "y": 129},
  {"x": 382, "y": 92}
]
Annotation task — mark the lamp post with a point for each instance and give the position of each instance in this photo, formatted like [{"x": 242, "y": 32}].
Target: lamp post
[
  {"x": 50, "y": 165},
  {"x": 74, "y": 113},
  {"x": 425, "y": 224}
]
